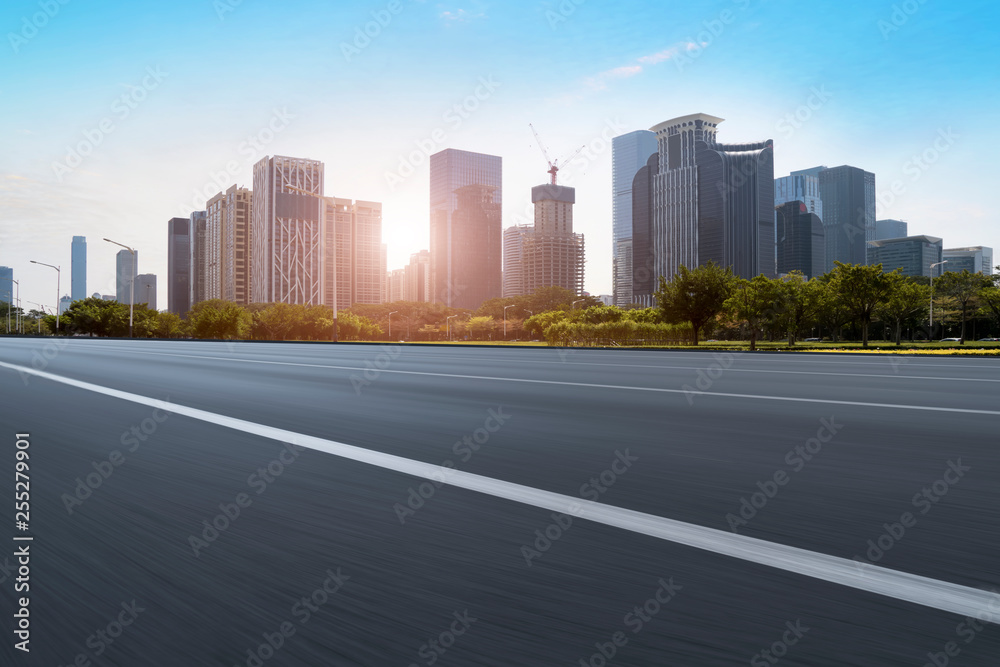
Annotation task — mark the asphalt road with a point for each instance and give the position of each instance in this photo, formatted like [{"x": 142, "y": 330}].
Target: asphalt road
[{"x": 336, "y": 561}]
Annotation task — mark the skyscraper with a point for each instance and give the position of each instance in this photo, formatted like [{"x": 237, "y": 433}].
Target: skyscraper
[
  {"x": 126, "y": 270},
  {"x": 848, "y": 195},
  {"x": 78, "y": 290},
  {"x": 803, "y": 186},
  {"x": 890, "y": 229},
  {"x": 7, "y": 284},
  {"x": 145, "y": 290},
  {"x": 179, "y": 266},
  {"x": 513, "y": 259},
  {"x": 711, "y": 201},
  {"x": 552, "y": 255},
  {"x": 643, "y": 261},
  {"x": 227, "y": 248},
  {"x": 354, "y": 270},
  {"x": 466, "y": 198},
  {"x": 199, "y": 253},
  {"x": 913, "y": 254},
  {"x": 801, "y": 240},
  {"x": 974, "y": 259},
  {"x": 286, "y": 231},
  {"x": 211, "y": 258},
  {"x": 629, "y": 153}
]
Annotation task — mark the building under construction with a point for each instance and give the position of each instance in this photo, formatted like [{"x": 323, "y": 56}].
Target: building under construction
[{"x": 552, "y": 255}]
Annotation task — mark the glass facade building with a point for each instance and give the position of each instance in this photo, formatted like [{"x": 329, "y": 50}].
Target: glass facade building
[
  {"x": 126, "y": 270},
  {"x": 848, "y": 195},
  {"x": 913, "y": 254},
  {"x": 78, "y": 290},
  {"x": 890, "y": 229},
  {"x": 466, "y": 201},
  {"x": 801, "y": 242},
  {"x": 179, "y": 266},
  {"x": 974, "y": 259},
  {"x": 629, "y": 153},
  {"x": 7, "y": 284}
]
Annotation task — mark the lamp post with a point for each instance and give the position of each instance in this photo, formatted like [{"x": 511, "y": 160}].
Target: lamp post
[
  {"x": 505, "y": 320},
  {"x": 447, "y": 321},
  {"x": 932, "y": 293},
  {"x": 18, "y": 324},
  {"x": 576, "y": 302},
  {"x": 131, "y": 284},
  {"x": 390, "y": 323},
  {"x": 8, "y": 311},
  {"x": 58, "y": 279}
]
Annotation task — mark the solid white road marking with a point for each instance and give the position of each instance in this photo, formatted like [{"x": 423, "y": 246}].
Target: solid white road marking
[{"x": 933, "y": 593}]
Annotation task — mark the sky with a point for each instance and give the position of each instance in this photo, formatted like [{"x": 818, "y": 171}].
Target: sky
[{"x": 116, "y": 117}]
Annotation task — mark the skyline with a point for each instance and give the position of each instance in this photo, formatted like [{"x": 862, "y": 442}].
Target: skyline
[{"x": 868, "y": 96}]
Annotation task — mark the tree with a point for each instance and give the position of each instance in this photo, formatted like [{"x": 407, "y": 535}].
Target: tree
[
  {"x": 862, "y": 289},
  {"x": 751, "y": 302},
  {"x": 965, "y": 288},
  {"x": 906, "y": 300},
  {"x": 695, "y": 295},
  {"x": 481, "y": 328}
]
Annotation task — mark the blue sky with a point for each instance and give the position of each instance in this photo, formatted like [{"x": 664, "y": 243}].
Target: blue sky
[{"x": 171, "y": 99}]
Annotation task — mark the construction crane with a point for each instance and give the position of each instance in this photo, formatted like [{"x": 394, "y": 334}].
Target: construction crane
[{"x": 553, "y": 166}]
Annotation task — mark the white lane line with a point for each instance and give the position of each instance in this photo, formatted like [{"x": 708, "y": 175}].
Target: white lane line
[
  {"x": 925, "y": 591},
  {"x": 793, "y": 399}
]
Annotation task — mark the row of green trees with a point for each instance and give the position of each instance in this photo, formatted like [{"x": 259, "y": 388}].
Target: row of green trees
[{"x": 710, "y": 297}]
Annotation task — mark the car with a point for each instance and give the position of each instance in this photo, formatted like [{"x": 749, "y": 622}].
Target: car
[
  {"x": 989, "y": 340},
  {"x": 812, "y": 340},
  {"x": 951, "y": 340}
]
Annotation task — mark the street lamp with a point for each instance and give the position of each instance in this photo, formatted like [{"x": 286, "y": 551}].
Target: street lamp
[
  {"x": 576, "y": 302},
  {"x": 8, "y": 311},
  {"x": 58, "y": 279},
  {"x": 505, "y": 320},
  {"x": 390, "y": 323},
  {"x": 131, "y": 284},
  {"x": 18, "y": 323},
  {"x": 932, "y": 293},
  {"x": 447, "y": 322}
]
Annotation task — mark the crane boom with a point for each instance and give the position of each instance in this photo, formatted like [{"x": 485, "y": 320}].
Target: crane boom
[{"x": 553, "y": 166}]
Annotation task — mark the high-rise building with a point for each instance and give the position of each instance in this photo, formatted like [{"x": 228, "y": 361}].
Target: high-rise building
[
  {"x": 711, "y": 201},
  {"x": 974, "y": 259},
  {"x": 513, "y": 259},
  {"x": 7, "y": 284},
  {"x": 552, "y": 255},
  {"x": 848, "y": 195},
  {"x": 643, "y": 260},
  {"x": 179, "y": 266},
  {"x": 79, "y": 272},
  {"x": 913, "y": 254},
  {"x": 629, "y": 153},
  {"x": 800, "y": 186},
  {"x": 145, "y": 290},
  {"x": 199, "y": 256},
  {"x": 125, "y": 273},
  {"x": 226, "y": 261},
  {"x": 353, "y": 253},
  {"x": 418, "y": 277},
  {"x": 801, "y": 243},
  {"x": 65, "y": 301},
  {"x": 890, "y": 229},
  {"x": 383, "y": 268},
  {"x": 466, "y": 199},
  {"x": 237, "y": 246},
  {"x": 286, "y": 232},
  {"x": 397, "y": 285}
]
